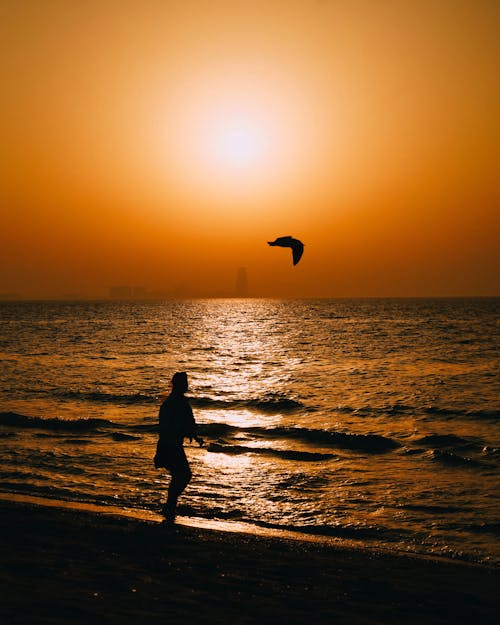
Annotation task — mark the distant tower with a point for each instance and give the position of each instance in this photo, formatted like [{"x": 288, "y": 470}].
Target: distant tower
[{"x": 241, "y": 282}]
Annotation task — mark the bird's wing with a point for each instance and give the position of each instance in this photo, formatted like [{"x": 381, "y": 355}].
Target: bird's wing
[
  {"x": 297, "y": 250},
  {"x": 283, "y": 241}
]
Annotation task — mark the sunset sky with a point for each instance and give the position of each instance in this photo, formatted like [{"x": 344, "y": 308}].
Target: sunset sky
[{"x": 163, "y": 143}]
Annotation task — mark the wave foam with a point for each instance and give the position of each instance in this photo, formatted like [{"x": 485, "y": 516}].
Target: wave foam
[
  {"x": 13, "y": 419},
  {"x": 284, "y": 454}
]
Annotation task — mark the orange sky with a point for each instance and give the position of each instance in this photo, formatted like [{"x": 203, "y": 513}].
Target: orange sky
[{"x": 163, "y": 143}]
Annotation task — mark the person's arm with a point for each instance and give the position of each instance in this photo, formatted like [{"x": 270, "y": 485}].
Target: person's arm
[
  {"x": 163, "y": 421},
  {"x": 157, "y": 457},
  {"x": 192, "y": 427}
]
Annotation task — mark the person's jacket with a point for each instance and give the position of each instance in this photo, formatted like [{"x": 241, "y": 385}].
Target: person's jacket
[{"x": 176, "y": 420}]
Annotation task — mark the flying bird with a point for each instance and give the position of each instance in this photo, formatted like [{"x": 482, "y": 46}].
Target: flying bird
[{"x": 296, "y": 245}]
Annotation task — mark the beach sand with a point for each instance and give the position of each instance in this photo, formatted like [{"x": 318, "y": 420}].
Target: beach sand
[{"x": 73, "y": 566}]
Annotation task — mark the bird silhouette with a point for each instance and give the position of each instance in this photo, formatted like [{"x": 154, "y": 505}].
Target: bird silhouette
[{"x": 296, "y": 245}]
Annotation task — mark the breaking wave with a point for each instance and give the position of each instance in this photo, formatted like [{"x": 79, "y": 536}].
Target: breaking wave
[
  {"x": 271, "y": 405},
  {"x": 453, "y": 459},
  {"x": 301, "y": 456},
  {"x": 99, "y": 397},
  {"x": 442, "y": 440},
  {"x": 12, "y": 419},
  {"x": 325, "y": 438},
  {"x": 397, "y": 409},
  {"x": 370, "y": 443}
]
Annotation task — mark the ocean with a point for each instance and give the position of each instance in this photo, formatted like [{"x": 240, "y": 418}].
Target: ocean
[{"x": 373, "y": 421}]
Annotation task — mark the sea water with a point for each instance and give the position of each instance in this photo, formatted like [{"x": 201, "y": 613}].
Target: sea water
[{"x": 371, "y": 420}]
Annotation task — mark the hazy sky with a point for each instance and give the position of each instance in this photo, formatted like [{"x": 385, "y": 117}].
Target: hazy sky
[{"x": 163, "y": 143}]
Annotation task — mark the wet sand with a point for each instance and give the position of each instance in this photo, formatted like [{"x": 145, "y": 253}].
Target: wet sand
[{"x": 74, "y": 566}]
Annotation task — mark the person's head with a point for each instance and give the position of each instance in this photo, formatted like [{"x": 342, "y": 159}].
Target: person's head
[{"x": 180, "y": 382}]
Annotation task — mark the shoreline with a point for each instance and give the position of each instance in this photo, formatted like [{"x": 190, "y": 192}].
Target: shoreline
[
  {"x": 217, "y": 525},
  {"x": 63, "y": 565},
  {"x": 237, "y": 527}
]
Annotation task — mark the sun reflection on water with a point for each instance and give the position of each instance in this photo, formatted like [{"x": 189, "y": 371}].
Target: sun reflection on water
[
  {"x": 240, "y": 418},
  {"x": 227, "y": 463}
]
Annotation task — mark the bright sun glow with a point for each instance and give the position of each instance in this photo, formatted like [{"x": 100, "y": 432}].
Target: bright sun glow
[
  {"x": 228, "y": 143},
  {"x": 228, "y": 139},
  {"x": 238, "y": 144}
]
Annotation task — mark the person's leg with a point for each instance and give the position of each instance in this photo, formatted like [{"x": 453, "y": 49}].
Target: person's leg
[{"x": 181, "y": 476}]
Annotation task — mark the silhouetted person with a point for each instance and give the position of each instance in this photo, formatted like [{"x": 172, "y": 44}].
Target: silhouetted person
[{"x": 176, "y": 423}]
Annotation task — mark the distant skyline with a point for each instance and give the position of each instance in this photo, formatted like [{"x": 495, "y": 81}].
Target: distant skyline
[{"x": 163, "y": 145}]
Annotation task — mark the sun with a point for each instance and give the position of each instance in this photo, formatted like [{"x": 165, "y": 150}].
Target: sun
[
  {"x": 231, "y": 142},
  {"x": 238, "y": 144},
  {"x": 237, "y": 138},
  {"x": 231, "y": 146}
]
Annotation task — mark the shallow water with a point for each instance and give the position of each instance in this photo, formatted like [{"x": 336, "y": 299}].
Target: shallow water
[{"x": 374, "y": 420}]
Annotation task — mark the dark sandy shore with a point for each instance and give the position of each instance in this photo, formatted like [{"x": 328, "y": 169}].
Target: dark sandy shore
[{"x": 70, "y": 566}]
